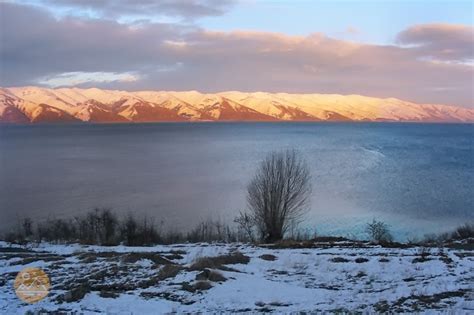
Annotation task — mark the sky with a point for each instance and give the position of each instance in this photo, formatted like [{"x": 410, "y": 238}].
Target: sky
[{"x": 420, "y": 51}]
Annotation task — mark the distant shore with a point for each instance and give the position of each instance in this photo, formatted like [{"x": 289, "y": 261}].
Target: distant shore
[{"x": 112, "y": 106}]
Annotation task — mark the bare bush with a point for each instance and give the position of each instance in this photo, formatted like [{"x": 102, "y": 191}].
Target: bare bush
[
  {"x": 211, "y": 231},
  {"x": 22, "y": 233},
  {"x": 246, "y": 225},
  {"x": 97, "y": 227},
  {"x": 103, "y": 227},
  {"x": 56, "y": 230},
  {"x": 278, "y": 194},
  {"x": 300, "y": 235},
  {"x": 139, "y": 233},
  {"x": 129, "y": 231},
  {"x": 172, "y": 237},
  {"x": 423, "y": 255},
  {"x": 379, "y": 231},
  {"x": 463, "y": 232},
  {"x": 27, "y": 227}
]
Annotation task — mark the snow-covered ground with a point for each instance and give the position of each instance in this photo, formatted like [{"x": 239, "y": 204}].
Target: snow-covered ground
[{"x": 243, "y": 278}]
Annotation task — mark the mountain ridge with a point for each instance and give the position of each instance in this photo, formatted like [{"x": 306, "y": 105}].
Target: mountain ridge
[{"x": 36, "y": 104}]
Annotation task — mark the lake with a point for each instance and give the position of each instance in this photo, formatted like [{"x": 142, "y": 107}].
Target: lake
[{"x": 419, "y": 178}]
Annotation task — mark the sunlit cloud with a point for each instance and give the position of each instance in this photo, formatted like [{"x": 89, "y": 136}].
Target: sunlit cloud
[
  {"x": 106, "y": 53},
  {"x": 449, "y": 42}
]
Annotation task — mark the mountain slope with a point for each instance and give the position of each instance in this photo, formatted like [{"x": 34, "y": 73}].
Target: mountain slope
[
  {"x": 46, "y": 113},
  {"x": 94, "y": 111},
  {"x": 36, "y": 104},
  {"x": 147, "y": 112}
]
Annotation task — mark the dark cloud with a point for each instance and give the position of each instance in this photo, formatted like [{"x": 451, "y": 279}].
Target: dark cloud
[
  {"x": 180, "y": 8},
  {"x": 441, "y": 41},
  {"x": 35, "y": 45}
]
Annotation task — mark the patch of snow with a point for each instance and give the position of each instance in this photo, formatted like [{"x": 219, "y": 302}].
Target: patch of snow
[{"x": 306, "y": 279}]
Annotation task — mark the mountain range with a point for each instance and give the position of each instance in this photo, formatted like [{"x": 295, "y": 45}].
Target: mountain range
[{"x": 37, "y": 105}]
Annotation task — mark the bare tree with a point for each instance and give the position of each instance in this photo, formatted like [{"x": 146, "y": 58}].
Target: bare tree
[
  {"x": 246, "y": 223},
  {"x": 279, "y": 193},
  {"x": 379, "y": 231}
]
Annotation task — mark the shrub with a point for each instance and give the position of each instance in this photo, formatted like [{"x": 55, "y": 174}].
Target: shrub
[
  {"x": 97, "y": 227},
  {"x": 423, "y": 255},
  {"x": 104, "y": 227},
  {"x": 379, "y": 231},
  {"x": 27, "y": 226},
  {"x": 57, "y": 230},
  {"x": 129, "y": 231},
  {"x": 136, "y": 233},
  {"x": 211, "y": 231},
  {"x": 463, "y": 232},
  {"x": 278, "y": 194},
  {"x": 300, "y": 235},
  {"x": 246, "y": 224}
]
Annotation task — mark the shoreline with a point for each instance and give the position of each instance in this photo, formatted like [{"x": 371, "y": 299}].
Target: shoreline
[{"x": 224, "y": 122}]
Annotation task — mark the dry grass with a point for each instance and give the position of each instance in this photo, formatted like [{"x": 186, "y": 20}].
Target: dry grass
[
  {"x": 418, "y": 302},
  {"x": 211, "y": 275},
  {"x": 36, "y": 258},
  {"x": 317, "y": 242},
  {"x": 169, "y": 271},
  {"x": 202, "y": 285},
  {"x": 155, "y": 258},
  {"x": 75, "y": 294},
  {"x": 90, "y": 257},
  {"x": 108, "y": 294},
  {"x": 218, "y": 261},
  {"x": 268, "y": 257},
  {"x": 198, "y": 286},
  {"x": 340, "y": 260}
]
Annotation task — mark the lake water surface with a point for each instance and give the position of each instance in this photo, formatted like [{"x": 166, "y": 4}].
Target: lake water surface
[{"x": 417, "y": 177}]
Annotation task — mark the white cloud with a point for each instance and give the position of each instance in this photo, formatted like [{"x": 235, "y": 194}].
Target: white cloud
[{"x": 79, "y": 77}]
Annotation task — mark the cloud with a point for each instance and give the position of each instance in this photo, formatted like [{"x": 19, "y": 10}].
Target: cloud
[
  {"x": 78, "y": 78},
  {"x": 352, "y": 30},
  {"x": 316, "y": 63},
  {"x": 36, "y": 45},
  {"x": 118, "y": 8},
  {"x": 441, "y": 41}
]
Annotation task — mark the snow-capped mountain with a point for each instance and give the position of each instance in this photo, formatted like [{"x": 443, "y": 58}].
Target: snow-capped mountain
[{"x": 35, "y": 104}]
